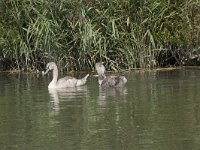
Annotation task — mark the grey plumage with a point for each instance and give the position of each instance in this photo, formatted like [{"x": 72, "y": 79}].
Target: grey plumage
[
  {"x": 111, "y": 80},
  {"x": 65, "y": 82}
]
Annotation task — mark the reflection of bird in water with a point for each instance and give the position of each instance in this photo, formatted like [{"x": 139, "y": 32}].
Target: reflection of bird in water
[
  {"x": 116, "y": 93},
  {"x": 65, "y": 82},
  {"x": 111, "y": 80},
  {"x": 113, "y": 91},
  {"x": 67, "y": 95}
]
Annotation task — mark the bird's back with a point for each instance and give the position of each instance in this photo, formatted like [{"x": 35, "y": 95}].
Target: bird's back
[
  {"x": 67, "y": 81},
  {"x": 114, "y": 81}
]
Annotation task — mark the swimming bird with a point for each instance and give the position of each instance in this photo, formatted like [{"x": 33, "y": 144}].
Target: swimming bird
[
  {"x": 65, "y": 82},
  {"x": 111, "y": 80}
]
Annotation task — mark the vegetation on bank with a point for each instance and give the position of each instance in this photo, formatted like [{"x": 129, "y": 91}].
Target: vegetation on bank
[{"x": 125, "y": 34}]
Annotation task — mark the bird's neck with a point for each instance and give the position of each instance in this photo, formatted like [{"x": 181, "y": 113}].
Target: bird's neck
[{"x": 53, "y": 83}]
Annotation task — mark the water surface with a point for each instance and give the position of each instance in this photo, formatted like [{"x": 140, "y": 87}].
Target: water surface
[{"x": 155, "y": 110}]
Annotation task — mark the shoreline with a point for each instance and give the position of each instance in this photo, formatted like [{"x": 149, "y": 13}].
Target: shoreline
[{"x": 15, "y": 71}]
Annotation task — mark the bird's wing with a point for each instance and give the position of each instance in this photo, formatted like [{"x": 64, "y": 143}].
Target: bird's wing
[
  {"x": 111, "y": 80},
  {"x": 67, "y": 81}
]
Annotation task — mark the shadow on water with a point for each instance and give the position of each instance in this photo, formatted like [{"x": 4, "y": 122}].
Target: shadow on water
[{"x": 155, "y": 110}]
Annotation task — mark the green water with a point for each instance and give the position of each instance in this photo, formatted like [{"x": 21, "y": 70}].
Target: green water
[{"x": 155, "y": 111}]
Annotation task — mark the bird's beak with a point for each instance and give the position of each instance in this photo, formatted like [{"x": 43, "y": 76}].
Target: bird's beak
[{"x": 44, "y": 73}]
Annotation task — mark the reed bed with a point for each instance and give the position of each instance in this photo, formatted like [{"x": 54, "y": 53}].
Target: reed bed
[{"x": 125, "y": 34}]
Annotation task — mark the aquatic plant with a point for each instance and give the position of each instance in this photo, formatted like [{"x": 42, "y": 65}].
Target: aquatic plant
[{"x": 125, "y": 34}]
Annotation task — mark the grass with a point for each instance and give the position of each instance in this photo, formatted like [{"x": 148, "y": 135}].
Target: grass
[{"x": 125, "y": 34}]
